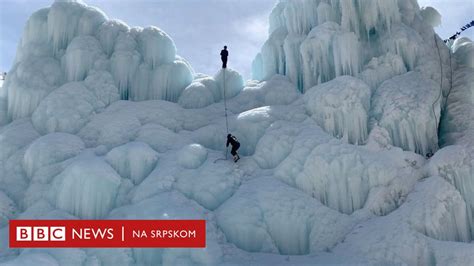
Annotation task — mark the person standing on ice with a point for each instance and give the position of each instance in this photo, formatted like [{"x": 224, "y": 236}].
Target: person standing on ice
[
  {"x": 224, "y": 55},
  {"x": 232, "y": 140}
]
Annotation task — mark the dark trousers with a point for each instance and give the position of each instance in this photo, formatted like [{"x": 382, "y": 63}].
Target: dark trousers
[
  {"x": 224, "y": 62},
  {"x": 234, "y": 149}
]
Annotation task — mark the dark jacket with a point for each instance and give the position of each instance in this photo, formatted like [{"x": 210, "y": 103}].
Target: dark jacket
[
  {"x": 232, "y": 141},
  {"x": 224, "y": 54}
]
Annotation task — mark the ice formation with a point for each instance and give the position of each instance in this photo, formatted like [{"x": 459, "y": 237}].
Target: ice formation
[
  {"x": 398, "y": 105},
  {"x": 328, "y": 52},
  {"x": 134, "y": 160},
  {"x": 205, "y": 90},
  {"x": 99, "y": 120},
  {"x": 276, "y": 218},
  {"x": 324, "y": 37},
  {"x": 341, "y": 106},
  {"x": 463, "y": 49},
  {"x": 431, "y": 16},
  {"x": 69, "y": 108},
  {"x": 51, "y": 149},
  {"x": 87, "y": 188},
  {"x": 192, "y": 156},
  {"x": 455, "y": 165},
  {"x": 79, "y": 41}
]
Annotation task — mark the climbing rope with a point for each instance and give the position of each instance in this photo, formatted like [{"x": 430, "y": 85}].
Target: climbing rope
[
  {"x": 225, "y": 107},
  {"x": 451, "y": 81},
  {"x": 226, "y": 120},
  {"x": 226, "y": 117},
  {"x": 441, "y": 84}
]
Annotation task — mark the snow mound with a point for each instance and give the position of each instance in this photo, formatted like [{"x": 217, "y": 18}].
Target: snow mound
[
  {"x": 82, "y": 54},
  {"x": 87, "y": 188},
  {"x": 273, "y": 217},
  {"x": 159, "y": 137},
  {"x": 171, "y": 205},
  {"x": 325, "y": 176},
  {"x": 278, "y": 90},
  {"x": 431, "y": 16},
  {"x": 51, "y": 149},
  {"x": 167, "y": 82},
  {"x": 210, "y": 186},
  {"x": 104, "y": 129},
  {"x": 69, "y": 108},
  {"x": 230, "y": 80},
  {"x": 11, "y": 141},
  {"x": 275, "y": 145},
  {"x": 443, "y": 217},
  {"x": 29, "y": 82},
  {"x": 408, "y": 106},
  {"x": 156, "y": 46},
  {"x": 382, "y": 68},
  {"x": 341, "y": 107},
  {"x": 463, "y": 49},
  {"x": 134, "y": 160},
  {"x": 197, "y": 95},
  {"x": 206, "y": 90},
  {"x": 192, "y": 156},
  {"x": 421, "y": 214},
  {"x": 454, "y": 164}
]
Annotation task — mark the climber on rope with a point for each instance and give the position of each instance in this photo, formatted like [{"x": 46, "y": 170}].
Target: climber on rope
[
  {"x": 224, "y": 55},
  {"x": 232, "y": 140}
]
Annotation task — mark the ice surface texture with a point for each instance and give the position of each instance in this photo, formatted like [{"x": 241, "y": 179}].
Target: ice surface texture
[
  {"x": 70, "y": 41},
  {"x": 313, "y": 42},
  {"x": 341, "y": 107},
  {"x": 103, "y": 121}
]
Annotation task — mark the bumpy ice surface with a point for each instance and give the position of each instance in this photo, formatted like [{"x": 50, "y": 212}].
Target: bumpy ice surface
[{"x": 101, "y": 120}]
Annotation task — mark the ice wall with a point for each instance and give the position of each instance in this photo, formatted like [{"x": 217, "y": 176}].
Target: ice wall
[
  {"x": 327, "y": 52},
  {"x": 323, "y": 36},
  {"x": 408, "y": 106},
  {"x": 341, "y": 106},
  {"x": 312, "y": 42},
  {"x": 454, "y": 164},
  {"x": 71, "y": 41}
]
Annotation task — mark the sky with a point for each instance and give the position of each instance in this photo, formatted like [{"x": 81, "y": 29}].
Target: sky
[{"x": 200, "y": 28}]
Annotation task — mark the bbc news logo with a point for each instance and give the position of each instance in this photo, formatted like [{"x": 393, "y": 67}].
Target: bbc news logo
[
  {"x": 107, "y": 233},
  {"x": 41, "y": 233}
]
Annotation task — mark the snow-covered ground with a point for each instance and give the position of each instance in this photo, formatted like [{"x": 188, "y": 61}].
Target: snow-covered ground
[{"x": 102, "y": 121}]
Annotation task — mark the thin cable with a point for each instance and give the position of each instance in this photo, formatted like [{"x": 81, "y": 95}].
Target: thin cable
[
  {"x": 226, "y": 118},
  {"x": 441, "y": 84},
  {"x": 225, "y": 107},
  {"x": 451, "y": 81}
]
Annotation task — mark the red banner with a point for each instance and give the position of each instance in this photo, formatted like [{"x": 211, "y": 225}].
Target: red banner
[{"x": 108, "y": 233}]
